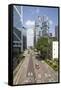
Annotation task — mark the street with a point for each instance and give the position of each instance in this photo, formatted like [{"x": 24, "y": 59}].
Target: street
[{"x": 32, "y": 70}]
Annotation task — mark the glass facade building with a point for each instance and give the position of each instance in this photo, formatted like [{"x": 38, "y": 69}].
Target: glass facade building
[
  {"x": 19, "y": 34},
  {"x": 41, "y": 27}
]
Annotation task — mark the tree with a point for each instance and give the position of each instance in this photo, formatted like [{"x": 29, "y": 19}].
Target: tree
[{"x": 42, "y": 46}]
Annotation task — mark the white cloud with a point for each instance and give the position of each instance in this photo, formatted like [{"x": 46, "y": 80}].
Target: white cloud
[{"x": 30, "y": 23}]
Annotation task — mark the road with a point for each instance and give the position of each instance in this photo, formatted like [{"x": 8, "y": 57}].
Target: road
[{"x": 32, "y": 70}]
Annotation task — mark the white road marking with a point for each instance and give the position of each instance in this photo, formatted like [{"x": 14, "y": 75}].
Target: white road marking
[
  {"x": 31, "y": 74},
  {"x": 28, "y": 73},
  {"x": 49, "y": 75},
  {"x": 46, "y": 75}
]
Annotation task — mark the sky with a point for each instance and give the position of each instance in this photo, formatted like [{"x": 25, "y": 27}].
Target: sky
[{"x": 30, "y": 15}]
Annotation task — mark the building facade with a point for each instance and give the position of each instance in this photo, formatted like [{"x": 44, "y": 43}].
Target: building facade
[
  {"x": 19, "y": 34},
  {"x": 24, "y": 33},
  {"x": 41, "y": 27},
  {"x": 37, "y": 30},
  {"x": 30, "y": 37},
  {"x": 18, "y": 25},
  {"x": 45, "y": 26},
  {"x": 55, "y": 49},
  {"x": 17, "y": 43}
]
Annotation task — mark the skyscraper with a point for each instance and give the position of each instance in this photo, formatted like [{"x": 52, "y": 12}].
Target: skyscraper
[
  {"x": 19, "y": 34},
  {"x": 41, "y": 27},
  {"x": 17, "y": 27},
  {"x": 45, "y": 26},
  {"x": 37, "y": 30}
]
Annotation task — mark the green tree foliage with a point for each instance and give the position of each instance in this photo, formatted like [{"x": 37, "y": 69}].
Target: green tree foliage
[{"x": 42, "y": 46}]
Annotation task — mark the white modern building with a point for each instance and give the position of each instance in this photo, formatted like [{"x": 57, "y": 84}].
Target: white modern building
[
  {"x": 30, "y": 37},
  {"x": 55, "y": 49}
]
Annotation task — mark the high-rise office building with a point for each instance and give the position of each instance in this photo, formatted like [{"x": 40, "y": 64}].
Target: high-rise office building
[
  {"x": 24, "y": 33},
  {"x": 41, "y": 27},
  {"x": 37, "y": 30},
  {"x": 45, "y": 26},
  {"x": 19, "y": 34},
  {"x": 18, "y": 24},
  {"x": 17, "y": 27}
]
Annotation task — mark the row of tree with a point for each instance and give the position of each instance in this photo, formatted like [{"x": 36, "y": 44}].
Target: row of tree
[{"x": 44, "y": 46}]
